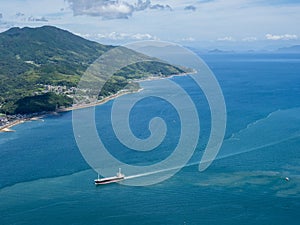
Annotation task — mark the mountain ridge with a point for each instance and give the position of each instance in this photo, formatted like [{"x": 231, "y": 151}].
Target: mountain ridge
[{"x": 33, "y": 57}]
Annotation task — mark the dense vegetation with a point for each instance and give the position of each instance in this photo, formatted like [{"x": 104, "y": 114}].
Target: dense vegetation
[
  {"x": 39, "y": 103},
  {"x": 31, "y": 57}
]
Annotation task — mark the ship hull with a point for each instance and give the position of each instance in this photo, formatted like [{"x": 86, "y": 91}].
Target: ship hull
[{"x": 108, "y": 180}]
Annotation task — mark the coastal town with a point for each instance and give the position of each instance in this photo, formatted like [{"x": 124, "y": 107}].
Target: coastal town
[{"x": 8, "y": 121}]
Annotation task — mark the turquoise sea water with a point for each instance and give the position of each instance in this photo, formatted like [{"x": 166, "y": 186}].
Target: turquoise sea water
[{"x": 45, "y": 180}]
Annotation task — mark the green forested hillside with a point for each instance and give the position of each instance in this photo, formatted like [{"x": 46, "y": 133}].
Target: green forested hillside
[
  {"x": 32, "y": 57},
  {"x": 45, "y": 102}
]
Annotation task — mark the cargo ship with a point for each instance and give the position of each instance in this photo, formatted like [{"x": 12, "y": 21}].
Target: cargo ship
[{"x": 108, "y": 180}]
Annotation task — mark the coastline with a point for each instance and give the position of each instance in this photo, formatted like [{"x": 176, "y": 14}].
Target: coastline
[
  {"x": 7, "y": 127},
  {"x": 100, "y": 102}
]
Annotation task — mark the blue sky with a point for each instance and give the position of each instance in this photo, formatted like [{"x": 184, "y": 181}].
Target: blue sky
[{"x": 224, "y": 24}]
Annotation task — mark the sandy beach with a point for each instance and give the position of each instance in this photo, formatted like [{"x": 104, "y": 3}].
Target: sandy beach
[{"x": 7, "y": 127}]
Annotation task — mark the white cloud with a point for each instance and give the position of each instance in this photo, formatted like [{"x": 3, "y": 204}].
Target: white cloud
[
  {"x": 106, "y": 9},
  {"x": 190, "y": 8},
  {"x": 111, "y": 9},
  {"x": 40, "y": 19},
  {"x": 188, "y": 39},
  {"x": 119, "y": 36},
  {"x": 160, "y": 7},
  {"x": 249, "y": 39},
  {"x": 229, "y": 38},
  {"x": 285, "y": 37},
  {"x": 139, "y": 36}
]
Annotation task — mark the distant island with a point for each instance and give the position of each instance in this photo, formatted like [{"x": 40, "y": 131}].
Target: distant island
[
  {"x": 218, "y": 51},
  {"x": 292, "y": 49},
  {"x": 41, "y": 67}
]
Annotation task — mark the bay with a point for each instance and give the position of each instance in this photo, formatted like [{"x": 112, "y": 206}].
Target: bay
[{"x": 44, "y": 178}]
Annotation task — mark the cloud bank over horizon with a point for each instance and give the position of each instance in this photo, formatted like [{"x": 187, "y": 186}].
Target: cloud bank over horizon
[
  {"x": 281, "y": 37},
  {"x": 227, "y": 22}
]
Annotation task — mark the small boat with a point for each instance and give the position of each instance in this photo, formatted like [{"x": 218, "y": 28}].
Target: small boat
[{"x": 108, "y": 180}]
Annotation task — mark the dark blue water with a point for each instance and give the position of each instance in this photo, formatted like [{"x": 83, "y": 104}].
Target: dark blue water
[{"x": 45, "y": 180}]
